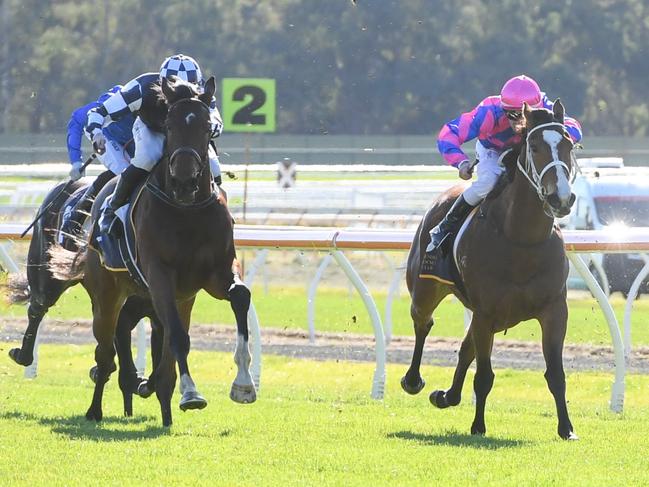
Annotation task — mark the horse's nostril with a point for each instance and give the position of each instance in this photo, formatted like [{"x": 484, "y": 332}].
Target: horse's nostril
[
  {"x": 571, "y": 202},
  {"x": 554, "y": 201}
]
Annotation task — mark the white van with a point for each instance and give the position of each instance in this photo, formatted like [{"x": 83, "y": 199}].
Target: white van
[{"x": 611, "y": 196}]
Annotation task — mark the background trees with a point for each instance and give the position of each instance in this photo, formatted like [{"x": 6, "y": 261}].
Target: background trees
[{"x": 383, "y": 67}]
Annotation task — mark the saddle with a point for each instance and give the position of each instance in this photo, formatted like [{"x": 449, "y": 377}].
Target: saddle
[
  {"x": 65, "y": 239},
  {"x": 117, "y": 251}
]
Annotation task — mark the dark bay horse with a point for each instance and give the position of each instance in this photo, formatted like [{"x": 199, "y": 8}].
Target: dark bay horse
[
  {"x": 42, "y": 290},
  {"x": 513, "y": 265},
  {"x": 185, "y": 243}
]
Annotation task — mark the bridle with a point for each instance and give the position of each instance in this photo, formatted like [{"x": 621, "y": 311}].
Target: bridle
[
  {"x": 530, "y": 171},
  {"x": 187, "y": 150},
  {"x": 203, "y": 163}
]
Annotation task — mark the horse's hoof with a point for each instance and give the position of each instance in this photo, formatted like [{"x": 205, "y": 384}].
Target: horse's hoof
[
  {"x": 93, "y": 415},
  {"x": 192, "y": 400},
  {"x": 243, "y": 394},
  {"x": 479, "y": 430},
  {"x": 93, "y": 376},
  {"x": 416, "y": 389},
  {"x": 143, "y": 389},
  {"x": 570, "y": 436},
  {"x": 17, "y": 356},
  {"x": 438, "y": 399},
  {"x": 94, "y": 372}
]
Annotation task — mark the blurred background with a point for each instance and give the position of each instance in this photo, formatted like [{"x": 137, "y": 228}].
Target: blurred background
[{"x": 361, "y": 90}]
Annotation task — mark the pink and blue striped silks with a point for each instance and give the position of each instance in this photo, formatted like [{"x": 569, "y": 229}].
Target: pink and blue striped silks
[{"x": 488, "y": 123}]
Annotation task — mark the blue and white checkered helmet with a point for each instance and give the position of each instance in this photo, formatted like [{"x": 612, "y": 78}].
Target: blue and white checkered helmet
[{"x": 184, "y": 67}]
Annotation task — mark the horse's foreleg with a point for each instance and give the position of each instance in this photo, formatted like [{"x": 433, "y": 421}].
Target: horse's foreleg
[
  {"x": 453, "y": 396},
  {"x": 45, "y": 291},
  {"x": 483, "y": 381},
  {"x": 553, "y": 327},
  {"x": 25, "y": 354},
  {"x": 191, "y": 398},
  {"x": 424, "y": 301},
  {"x": 243, "y": 388}
]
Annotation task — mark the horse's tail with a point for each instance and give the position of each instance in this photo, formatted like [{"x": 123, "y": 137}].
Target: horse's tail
[
  {"x": 67, "y": 265},
  {"x": 18, "y": 286}
]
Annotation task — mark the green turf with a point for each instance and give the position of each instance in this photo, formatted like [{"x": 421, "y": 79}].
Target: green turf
[
  {"x": 341, "y": 311},
  {"x": 314, "y": 424}
]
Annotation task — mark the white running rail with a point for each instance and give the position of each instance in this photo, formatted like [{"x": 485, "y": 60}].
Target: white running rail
[{"x": 337, "y": 240}]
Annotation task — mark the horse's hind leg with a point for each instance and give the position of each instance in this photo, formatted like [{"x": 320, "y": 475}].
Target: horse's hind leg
[
  {"x": 243, "y": 388},
  {"x": 452, "y": 397},
  {"x": 103, "y": 327},
  {"x": 553, "y": 325},
  {"x": 135, "y": 308},
  {"x": 426, "y": 296},
  {"x": 483, "y": 339},
  {"x": 165, "y": 373},
  {"x": 191, "y": 398}
]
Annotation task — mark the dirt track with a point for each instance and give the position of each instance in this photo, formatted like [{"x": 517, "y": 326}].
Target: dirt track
[{"x": 334, "y": 346}]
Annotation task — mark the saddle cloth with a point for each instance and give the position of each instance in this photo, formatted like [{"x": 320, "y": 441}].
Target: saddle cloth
[
  {"x": 443, "y": 267},
  {"x": 119, "y": 253}
]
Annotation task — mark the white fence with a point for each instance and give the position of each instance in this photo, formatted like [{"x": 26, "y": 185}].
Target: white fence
[{"x": 336, "y": 241}]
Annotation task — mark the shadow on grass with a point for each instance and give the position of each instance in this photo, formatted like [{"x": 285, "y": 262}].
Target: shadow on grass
[
  {"x": 79, "y": 428},
  {"x": 453, "y": 438}
]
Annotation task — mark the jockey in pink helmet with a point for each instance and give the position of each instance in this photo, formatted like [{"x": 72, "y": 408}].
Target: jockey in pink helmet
[
  {"x": 518, "y": 90},
  {"x": 497, "y": 123}
]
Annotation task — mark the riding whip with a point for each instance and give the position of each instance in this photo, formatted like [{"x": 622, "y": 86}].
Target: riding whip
[{"x": 55, "y": 199}]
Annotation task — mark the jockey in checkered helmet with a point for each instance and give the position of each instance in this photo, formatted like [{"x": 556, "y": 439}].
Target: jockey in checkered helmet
[
  {"x": 149, "y": 141},
  {"x": 182, "y": 66}
]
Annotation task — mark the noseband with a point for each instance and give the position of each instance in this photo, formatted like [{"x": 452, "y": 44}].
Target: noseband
[{"x": 530, "y": 171}]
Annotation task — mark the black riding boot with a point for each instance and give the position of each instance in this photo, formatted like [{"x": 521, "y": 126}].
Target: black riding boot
[
  {"x": 446, "y": 228},
  {"x": 127, "y": 182},
  {"x": 71, "y": 228}
]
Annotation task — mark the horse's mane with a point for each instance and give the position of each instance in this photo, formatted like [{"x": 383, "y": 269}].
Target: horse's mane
[
  {"x": 509, "y": 162},
  {"x": 155, "y": 104}
]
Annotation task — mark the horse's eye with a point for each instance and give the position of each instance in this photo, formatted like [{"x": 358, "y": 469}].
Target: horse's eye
[{"x": 534, "y": 147}]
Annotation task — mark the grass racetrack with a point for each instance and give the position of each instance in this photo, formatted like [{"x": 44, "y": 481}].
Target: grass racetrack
[
  {"x": 314, "y": 423},
  {"x": 337, "y": 310}
]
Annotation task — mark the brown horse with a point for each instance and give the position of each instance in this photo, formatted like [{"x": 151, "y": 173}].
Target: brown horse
[
  {"x": 42, "y": 290},
  {"x": 185, "y": 243},
  {"x": 512, "y": 263}
]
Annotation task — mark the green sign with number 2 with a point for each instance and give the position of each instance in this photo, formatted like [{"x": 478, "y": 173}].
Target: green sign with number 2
[{"x": 248, "y": 104}]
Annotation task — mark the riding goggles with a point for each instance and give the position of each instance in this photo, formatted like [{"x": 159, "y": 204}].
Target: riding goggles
[{"x": 514, "y": 115}]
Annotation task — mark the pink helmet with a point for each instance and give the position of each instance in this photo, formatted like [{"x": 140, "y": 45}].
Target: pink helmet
[{"x": 520, "y": 89}]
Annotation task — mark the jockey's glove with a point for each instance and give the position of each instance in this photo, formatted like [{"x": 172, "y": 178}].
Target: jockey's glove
[
  {"x": 466, "y": 170},
  {"x": 99, "y": 142},
  {"x": 77, "y": 171}
]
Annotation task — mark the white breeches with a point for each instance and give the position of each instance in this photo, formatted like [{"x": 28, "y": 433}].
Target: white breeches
[
  {"x": 149, "y": 146},
  {"x": 115, "y": 158},
  {"x": 488, "y": 171}
]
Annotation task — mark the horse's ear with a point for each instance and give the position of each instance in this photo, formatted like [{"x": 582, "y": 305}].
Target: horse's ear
[
  {"x": 167, "y": 90},
  {"x": 558, "y": 110},
  {"x": 527, "y": 110},
  {"x": 208, "y": 92}
]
